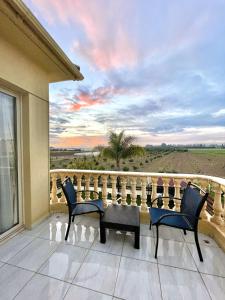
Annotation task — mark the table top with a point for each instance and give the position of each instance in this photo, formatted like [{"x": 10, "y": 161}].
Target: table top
[{"x": 122, "y": 214}]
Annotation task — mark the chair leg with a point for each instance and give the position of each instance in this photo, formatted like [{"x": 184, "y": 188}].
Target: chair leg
[
  {"x": 150, "y": 225},
  {"x": 198, "y": 246},
  {"x": 185, "y": 232},
  {"x": 68, "y": 228},
  {"x": 73, "y": 218},
  {"x": 157, "y": 240}
]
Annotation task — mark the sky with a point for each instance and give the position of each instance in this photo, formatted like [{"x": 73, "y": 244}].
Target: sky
[{"x": 154, "y": 68}]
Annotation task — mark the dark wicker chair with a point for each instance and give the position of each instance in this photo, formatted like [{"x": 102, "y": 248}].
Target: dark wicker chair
[
  {"x": 187, "y": 219},
  {"x": 79, "y": 208}
]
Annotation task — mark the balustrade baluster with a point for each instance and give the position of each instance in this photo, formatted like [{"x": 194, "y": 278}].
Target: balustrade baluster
[
  {"x": 166, "y": 193},
  {"x": 54, "y": 189},
  {"x": 177, "y": 194},
  {"x": 154, "y": 191},
  {"x": 79, "y": 195},
  {"x": 104, "y": 189},
  {"x": 204, "y": 215},
  {"x": 144, "y": 206},
  {"x": 62, "y": 199},
  {"x": 133, "y": 191},
  {"x": 217, "y": 205},
  {"x": 95, "y": 187},
  {"x": 87, "y": 187},
  {"x": 114, "y": 193},
  {"x": 124, "y": 191}
]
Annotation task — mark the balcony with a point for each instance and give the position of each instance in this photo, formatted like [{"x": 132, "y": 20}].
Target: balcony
[{"x": 39, "y": 264}]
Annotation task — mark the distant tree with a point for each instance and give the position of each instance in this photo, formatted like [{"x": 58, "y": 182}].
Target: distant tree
[{"x": 120, "y": 146}]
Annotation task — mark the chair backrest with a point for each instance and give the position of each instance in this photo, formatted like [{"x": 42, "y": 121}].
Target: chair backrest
[
  {"x": 70, "y": 192},
  {"x": 192, "y": 203}
]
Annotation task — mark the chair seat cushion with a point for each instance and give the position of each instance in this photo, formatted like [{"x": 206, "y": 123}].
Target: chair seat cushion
[
  {"x": 176, "y": 220},
  {"x": 89, "y": 206}
]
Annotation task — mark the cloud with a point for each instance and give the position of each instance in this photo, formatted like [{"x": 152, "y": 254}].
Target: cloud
[{"x": 218, "y": 114}]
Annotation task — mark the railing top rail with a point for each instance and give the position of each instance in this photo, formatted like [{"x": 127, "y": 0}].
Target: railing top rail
[{"x": 214, "y": 179}]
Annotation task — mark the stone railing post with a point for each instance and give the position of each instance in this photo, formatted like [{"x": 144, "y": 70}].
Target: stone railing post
[
  {"x": 144, "y": 206},
  {"x": 87, "y": 187},
  {"x": 177, "y": 194},
  {"x": 203, "y": 215},
  {"x": 114, "y": 194},
  {"x": 54, "y": 189},
  {"x": 133, "y": 191},
  {"x": 166, "y": 193},
  {"x": 217, "y": 205},
  {"x": 154, "y": 190},
  {"x": 79, "y": 195},
  {"x": 95, "y": 195},
  {"x": 104, "y": 189},
  {"x": 123, "y": 190},
  {"x": 62, "y": 199}
]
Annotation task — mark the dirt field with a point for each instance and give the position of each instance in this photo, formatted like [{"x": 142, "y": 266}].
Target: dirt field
[{"x": 207, "y": 162}]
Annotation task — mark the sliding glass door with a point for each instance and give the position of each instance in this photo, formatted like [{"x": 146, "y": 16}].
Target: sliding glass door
[{"x": 9, "y": 199}]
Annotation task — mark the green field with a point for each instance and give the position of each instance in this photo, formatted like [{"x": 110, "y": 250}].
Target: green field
[{"x": 208, "y": 151}]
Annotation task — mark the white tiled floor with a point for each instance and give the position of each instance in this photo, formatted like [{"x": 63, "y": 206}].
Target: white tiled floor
[{"x": 39, "y": 264}]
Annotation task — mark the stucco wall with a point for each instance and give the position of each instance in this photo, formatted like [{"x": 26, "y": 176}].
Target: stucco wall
[{"x": 23, "y": 74}]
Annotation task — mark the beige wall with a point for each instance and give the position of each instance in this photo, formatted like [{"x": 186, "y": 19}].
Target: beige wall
[{"x": 24, "y": 75}]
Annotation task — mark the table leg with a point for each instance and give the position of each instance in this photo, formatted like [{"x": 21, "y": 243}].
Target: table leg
[
  {"x": 102, "y": 234},
  {"x": 137, "y": 238}
]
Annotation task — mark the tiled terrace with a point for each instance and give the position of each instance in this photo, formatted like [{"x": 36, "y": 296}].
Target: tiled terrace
[{"x": 39, "y": 264}]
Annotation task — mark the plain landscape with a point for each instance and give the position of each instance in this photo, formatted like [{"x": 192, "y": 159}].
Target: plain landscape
[{"x": 205, "y": 161}]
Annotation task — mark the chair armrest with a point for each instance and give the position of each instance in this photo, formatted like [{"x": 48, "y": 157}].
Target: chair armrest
[
  {"x": 89, "y": 203},
  {"x": 176, "y": 214},
  {"x": 161, "y": 197},
  {"x": 88, "y": 191}
]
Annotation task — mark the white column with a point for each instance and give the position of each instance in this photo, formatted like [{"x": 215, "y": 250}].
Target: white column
[
  {"x": 79, "y": 195},
  {"x": 87, "y": 187},
  {"x": 114, "y": 193},
  {"x": 217, "y": 205},
  {"x": 104, "y": 189},
  {"x": 133, "y": 191},
  {"x": 54, "y": 189},
  {"x": 166, "y": 193},
  {"x": 144, "y": 206},
  {"x": 62, "y": 199},
  {"x": 177, "y": 194},
  {"x": 154, "y": 190},
  {"x": 124, "y": 191},
  {"x": 95, "y": 187}
]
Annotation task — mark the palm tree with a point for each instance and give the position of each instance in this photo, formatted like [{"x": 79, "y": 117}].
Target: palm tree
[{"x": 120, "y": 146}]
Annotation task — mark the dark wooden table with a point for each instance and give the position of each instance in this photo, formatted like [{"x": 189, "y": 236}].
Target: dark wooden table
[{"x": 121, "y": 217}]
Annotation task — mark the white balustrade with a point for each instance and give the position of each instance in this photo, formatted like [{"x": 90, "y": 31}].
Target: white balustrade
[{"x": 135, "y": 184}]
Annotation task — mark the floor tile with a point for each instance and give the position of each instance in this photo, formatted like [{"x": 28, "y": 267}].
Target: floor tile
[
  {"x": 146, "y": 251},
  {"x": 113, "y": 244},
  {"x": 137, "y": 280},
  {"x": 1, "y": 264},
  {"x": 54, "y": 231},
  {"x": 169, "y": 233},
  {"x": 12, "y": 280},
  {"x": 203, "y": 239},
  {"x": 42, "y": 287},
  {"x": 82, "y": 235},
  {"x": 98, "y": 272},
  {"x": 175, "y": 254},
  {"x": 64, "y": 262},
  {"x": 212, "y": 257},
  {"x": 37, "y": 229},
  {"x": 144, "y": 230},
  {"x": 179, "y": 284},
  {"x": 13, "y": 246},
  {"x": 89, "y": 221},
  {"x": 215, "y": 286},
  {"x": 34, "y": 255},
  {"x": 76, "y": 292}
]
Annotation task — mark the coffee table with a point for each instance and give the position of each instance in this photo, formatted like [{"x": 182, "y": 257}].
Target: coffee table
[{"x": 121, "y": 217}]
